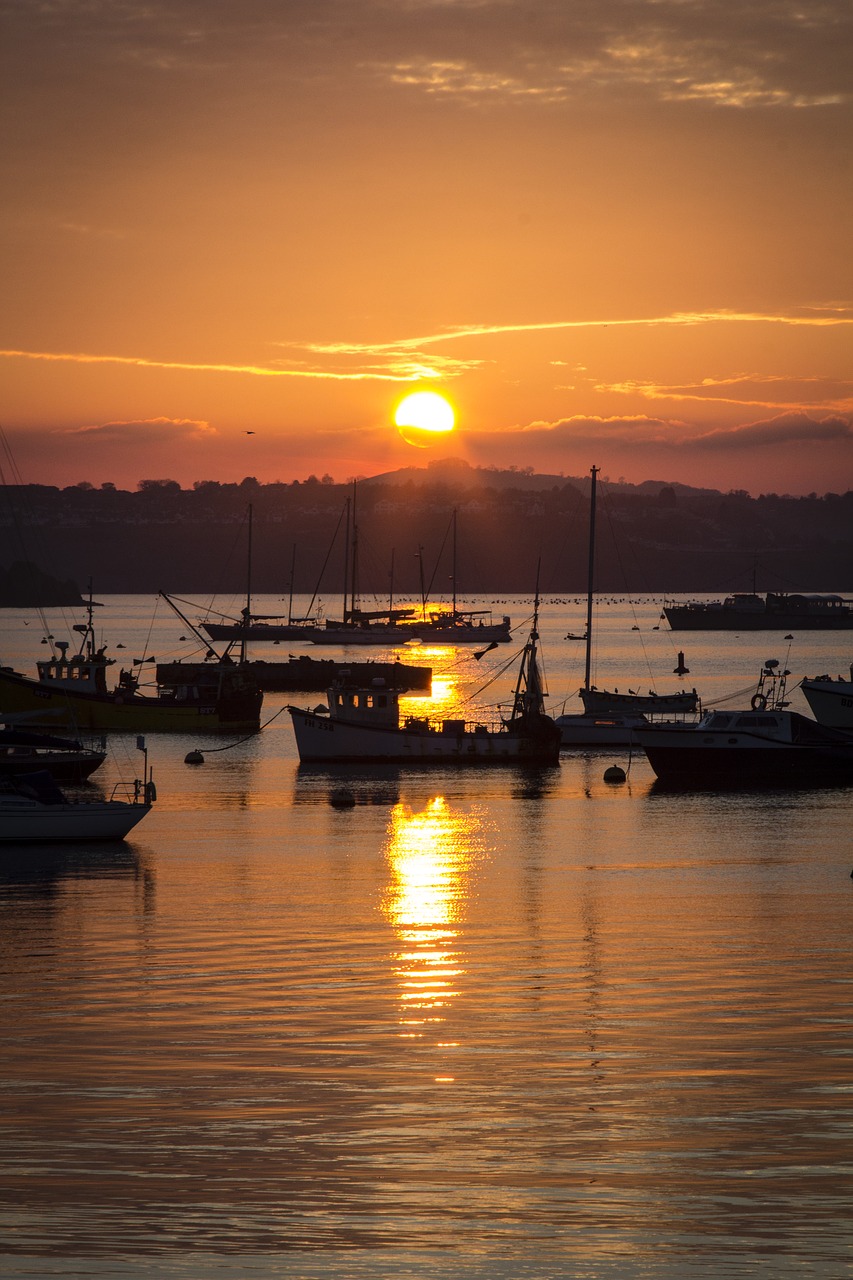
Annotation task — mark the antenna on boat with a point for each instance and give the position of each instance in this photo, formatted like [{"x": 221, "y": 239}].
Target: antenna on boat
[{"x": 590, "y": 577}]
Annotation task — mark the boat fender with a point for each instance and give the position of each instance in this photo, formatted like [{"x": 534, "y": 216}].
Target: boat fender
[
  {"x": 759, "y": 702},
  {"x": 150, "y": 793}
]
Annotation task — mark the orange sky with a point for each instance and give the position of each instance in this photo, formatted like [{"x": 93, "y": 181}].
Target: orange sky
[{"x": 609, "y": 230}]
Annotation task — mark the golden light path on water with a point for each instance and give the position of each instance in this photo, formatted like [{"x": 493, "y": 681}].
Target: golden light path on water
[{"x": 431, "y": 854}]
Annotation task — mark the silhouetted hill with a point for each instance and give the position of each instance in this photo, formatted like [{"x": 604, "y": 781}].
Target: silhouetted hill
[
  {"x": 26, "y": 586},
  {"x": 653, "y": 537}
]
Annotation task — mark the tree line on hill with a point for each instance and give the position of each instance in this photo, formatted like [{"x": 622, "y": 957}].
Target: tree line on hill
[{"x": 661, "y": 538}]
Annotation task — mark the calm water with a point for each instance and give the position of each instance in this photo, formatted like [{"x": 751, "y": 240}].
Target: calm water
[{"x": 479, "y": 1024}]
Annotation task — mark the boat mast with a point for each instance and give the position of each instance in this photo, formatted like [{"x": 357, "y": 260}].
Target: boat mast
[
  {"x": 423, "y": 588},
  {"x": 391, "y": 588},
  {"x": 528, "y": 689},
  {"x": 290, "y": 592},
  {"x": 346, "y": 557},
  {"x": 454, "y": 562},
  {"x": 247, "y": 612},
  {"x": 355, "y": 595},
  {"x": 590, "y": 577}
]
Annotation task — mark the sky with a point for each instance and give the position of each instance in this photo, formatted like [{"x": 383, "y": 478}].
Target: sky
[{"x": 610, "y": 232}]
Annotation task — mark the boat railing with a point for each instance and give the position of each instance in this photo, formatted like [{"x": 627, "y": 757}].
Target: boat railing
[{"x": 451, "y": 725}]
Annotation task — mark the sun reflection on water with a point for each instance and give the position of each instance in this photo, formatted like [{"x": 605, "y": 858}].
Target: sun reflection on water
[{"x": 430, "y": 854}]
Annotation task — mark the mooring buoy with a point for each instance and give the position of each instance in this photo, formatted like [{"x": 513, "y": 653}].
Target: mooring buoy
[
  {"x": 194, "y": 757},
  {"x": 615, "y": 773}
]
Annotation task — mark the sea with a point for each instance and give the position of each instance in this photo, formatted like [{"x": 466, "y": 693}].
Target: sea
[{"x": 476, "y": 1023}]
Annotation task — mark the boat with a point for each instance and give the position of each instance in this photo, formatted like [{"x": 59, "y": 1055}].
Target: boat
[
  {"x": 34, "y": 809},
  {"x": 766, "y": 745},
  {"x": 302, "y": 674},
  {"x": 357, "y": 626},
  {"x": 830, "y": 701},
  {"x": 610, "y": 718},
  {"x": 775, "y": 611},
  {"x": 363, "y": 725},
  {"x": 72, "y": 689},
  {"x": 25, "y": 750}
]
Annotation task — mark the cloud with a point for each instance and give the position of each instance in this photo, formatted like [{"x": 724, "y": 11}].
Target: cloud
[
  {"x": 144, "y": 431},
  {"x": 637, "y": 431},
  {"x": 787, "y": 428}
]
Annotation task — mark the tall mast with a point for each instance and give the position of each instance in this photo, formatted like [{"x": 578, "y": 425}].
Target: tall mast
[
  {"x": 391, "y": 588},
  {"x": 248, "y": 610},
  {"x": 590, "y": 576},
  {"x": 346, "y": 558},
  {"x": 290, "y": 593},
  {"x": 454, "y": 562},
  {"x": 354, "y": 604}
]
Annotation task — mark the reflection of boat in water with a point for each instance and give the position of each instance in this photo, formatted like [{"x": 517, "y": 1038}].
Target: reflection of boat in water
[
  {"x": 610, "y": 718},
  {"x": 363, "y": 725},
  {"x": 33, "y": 809},
  {"x": 24, "y": 750},
  {"x": 767, "y": 745},
  {"x": 773, "y": 612},
  {"x": 72, "y": 690},
  {"x": 831, "y": 701}
]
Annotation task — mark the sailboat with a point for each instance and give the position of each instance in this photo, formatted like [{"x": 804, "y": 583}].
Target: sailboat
[
  {"x": 363, "y": 725},
  {"x": 611, "y": 719},
  {"x": 358, "y": 626}
]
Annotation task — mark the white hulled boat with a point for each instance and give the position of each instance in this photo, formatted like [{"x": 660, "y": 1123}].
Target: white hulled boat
[
  {"x": 34, "y": 810},
  {"x": 363, "y": 725},
  {"x": 831, "y": 701}
]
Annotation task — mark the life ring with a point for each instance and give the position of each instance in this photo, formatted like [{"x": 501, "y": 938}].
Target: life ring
[{"x": 759, "y": 702}]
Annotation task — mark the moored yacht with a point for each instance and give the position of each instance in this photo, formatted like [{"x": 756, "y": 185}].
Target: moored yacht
[{"x": 767, "y": 745}]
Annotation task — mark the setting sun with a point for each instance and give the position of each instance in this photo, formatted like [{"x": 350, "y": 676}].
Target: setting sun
[{"x": 424, "y": 416}]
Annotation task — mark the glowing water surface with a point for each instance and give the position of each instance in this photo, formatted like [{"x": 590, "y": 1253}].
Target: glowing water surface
[{"x": 478, "y": 1023}]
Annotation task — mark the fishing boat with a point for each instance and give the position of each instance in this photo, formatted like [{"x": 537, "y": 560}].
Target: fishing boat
[
  {"x": 830, "y": 701},
  {"x": 33, "y": 809},
  {"x": 772, "y": 612},
  {"x": 72, "y": 689},
  {"x": 766, "y": 745},
  {"x": 363, "y": 725},
  {"x": 25, "y": 750},
  {"x": 610, "y": 718}
]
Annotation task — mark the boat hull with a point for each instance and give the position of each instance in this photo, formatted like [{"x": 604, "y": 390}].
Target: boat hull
[
  {"x": 311, "y": 675},
  {"x": 321, "y": 739},
  {"x": 599, "y": 731},
  {"x": 29, "y": 822},
  {"x": 495, "y": 633},
  {"x": 695, "y": 758},
  {"x": 831, "y": 702},
  {"x": 128, "y": 713},
  {"x": 684, "y": 618}
]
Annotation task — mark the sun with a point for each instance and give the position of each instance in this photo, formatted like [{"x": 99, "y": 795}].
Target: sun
[{"x": 423, "y": 417}]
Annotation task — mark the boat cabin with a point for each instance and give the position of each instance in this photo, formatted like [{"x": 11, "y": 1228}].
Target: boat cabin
[
  {"x": 81, "y": 673},
  {"x": 377, "y": 705}
]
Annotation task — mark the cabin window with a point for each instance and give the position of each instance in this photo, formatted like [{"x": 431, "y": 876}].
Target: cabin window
[{"x": 382, "y": 700}]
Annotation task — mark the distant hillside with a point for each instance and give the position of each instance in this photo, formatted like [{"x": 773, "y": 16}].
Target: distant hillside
[
  {"x": 456, "y": 471},
  {"x": 651, "y": 537}
]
